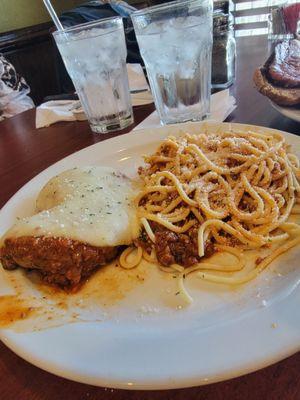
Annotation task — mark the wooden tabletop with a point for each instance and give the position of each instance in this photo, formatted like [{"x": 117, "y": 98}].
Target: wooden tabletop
[{"x": 24, "y": 152}]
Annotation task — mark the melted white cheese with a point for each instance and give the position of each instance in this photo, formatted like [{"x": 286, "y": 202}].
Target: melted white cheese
[{"x": 93, "y": 205}]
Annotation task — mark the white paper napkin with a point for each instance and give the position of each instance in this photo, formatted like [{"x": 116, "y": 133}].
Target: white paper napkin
[
  {"x": 59, "y": 110},
  {"x": 141, "y": 98},
  {"x": 136, "y": 78},
  {"x": 222, "y": 105}
]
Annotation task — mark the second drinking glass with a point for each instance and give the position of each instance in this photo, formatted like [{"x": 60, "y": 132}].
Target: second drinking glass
[{"x": 175, "y": 41}]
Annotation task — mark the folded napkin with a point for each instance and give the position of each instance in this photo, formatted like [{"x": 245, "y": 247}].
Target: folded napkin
[
  {"x": 70, "y": 110},
  {"x": 136, "y": 78},
  {"x": 59, "y": 110},
  {"x": 222, "y": 105},
  {"x": 141, "y": 98}
]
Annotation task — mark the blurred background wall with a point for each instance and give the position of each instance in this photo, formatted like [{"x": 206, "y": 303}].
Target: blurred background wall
[{"x": 16, "y": 14}]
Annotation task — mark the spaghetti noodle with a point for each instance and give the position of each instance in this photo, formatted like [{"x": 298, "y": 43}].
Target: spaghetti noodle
[{"x": 224, "y": 191}]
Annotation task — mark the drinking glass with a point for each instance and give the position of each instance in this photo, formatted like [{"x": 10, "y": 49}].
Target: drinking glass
[
  {"x": 175, "y": 41},
  {"x": 95, "y": 57}
]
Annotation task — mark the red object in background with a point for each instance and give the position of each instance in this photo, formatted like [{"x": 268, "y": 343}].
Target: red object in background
[{"x": 291, "y": 15}]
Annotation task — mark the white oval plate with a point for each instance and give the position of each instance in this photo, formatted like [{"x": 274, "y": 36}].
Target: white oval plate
[
  {"x": 224, "y": 334},
  {"x": 290, "y": 112}
]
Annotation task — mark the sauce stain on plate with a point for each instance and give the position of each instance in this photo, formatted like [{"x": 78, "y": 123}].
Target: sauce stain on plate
[
  {"x": 14, "y": 309},
  {"x": 37, "y": 306}
]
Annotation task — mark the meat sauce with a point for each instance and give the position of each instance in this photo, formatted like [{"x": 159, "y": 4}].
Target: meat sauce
[
  {"x": 175, "y": 248},
  {"x": 60, "y": 261}
]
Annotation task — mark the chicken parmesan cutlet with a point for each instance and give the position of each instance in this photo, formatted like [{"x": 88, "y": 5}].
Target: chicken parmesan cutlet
[{"x": 84, "y": 217}]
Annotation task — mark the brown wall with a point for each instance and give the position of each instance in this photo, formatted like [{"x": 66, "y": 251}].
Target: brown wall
[{"x": 16, "y": 14}]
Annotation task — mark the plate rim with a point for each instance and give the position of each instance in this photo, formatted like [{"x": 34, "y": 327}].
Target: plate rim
[
  {"x": 149, "y": 385},
  {"x": 286, "y": 112}
]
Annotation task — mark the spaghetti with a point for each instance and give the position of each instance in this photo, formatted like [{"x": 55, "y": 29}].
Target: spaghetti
[{"x": 224, "y": 191}]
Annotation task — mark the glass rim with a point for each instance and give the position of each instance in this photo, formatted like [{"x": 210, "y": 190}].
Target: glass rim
[
  {"x": 162, "y": 7},
  {"x": 87, "y": 25}
]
